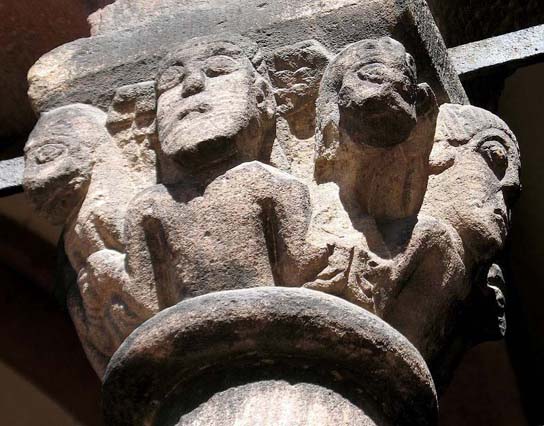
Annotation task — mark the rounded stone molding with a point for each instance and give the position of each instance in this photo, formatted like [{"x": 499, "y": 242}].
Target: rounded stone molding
[{"x": 259, "y": 329}]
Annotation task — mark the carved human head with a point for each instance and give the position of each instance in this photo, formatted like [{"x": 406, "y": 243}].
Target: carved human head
[
  {"x": 370, "y": 92},
  {"x": 59, "y": 158},
  {"x": 375, "y": 128},
  {"x": 475, "y": 165},
  {"x": 296, "y": 71},
  {"x": 215, "y": 102}
]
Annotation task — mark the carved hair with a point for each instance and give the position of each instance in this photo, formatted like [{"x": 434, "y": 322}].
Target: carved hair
[
  {"x": 458, "y": 124},
  {"x": 85, "y": 117}
]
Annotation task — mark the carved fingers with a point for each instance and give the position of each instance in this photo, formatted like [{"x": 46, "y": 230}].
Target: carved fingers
[
  {"x": 110, "y": 308},
  {"x": 333, "y": 279}
]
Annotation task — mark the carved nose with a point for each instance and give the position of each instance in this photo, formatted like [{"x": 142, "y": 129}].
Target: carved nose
[{"x": 193, "y": 83}]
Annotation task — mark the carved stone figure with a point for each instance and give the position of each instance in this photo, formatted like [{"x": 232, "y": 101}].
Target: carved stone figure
[
  {"x": 58, "y": 167},
  {"x": 215, "y": 106},
  {"x": 374, "y": 137},
  {"x": 71, "y": 162},
  {"x": 375, "y": 129},
  {"x": 223, "y": 170},
  {"x": 295, "y": 73},
  {"x": 245, "y": 228},
  {"x": 474, "y": 181},
  {"x": 474, "y": 178}
]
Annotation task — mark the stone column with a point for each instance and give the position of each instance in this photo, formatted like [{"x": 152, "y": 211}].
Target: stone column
[
  {"x": 277, "y": 212},
  {"x": 268, "y": 356}
]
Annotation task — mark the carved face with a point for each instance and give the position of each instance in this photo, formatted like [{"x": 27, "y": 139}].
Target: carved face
[
  {"x": 208, "y": 105},
  {"x": 59, "y": 159},
  {"x": 296, "y": 74},
  {"x": 473, "y": 187},
  {"x": 377, "y": 99}
]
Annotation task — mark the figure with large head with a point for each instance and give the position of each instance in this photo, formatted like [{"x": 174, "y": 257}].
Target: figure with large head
[
  {"x": 215, "y": 111},
  {"x": 215, "y": 103},
  {"x": 82, "y": 177},
  {"x": 474, "y": 179},
  {"x": 375, "y": 128},
  {"x": 375, "y": 132}
]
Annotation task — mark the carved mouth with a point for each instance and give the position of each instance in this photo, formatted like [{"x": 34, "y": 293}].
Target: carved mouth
[
  {"x": 181, "y": 114},
  {"x": 193, "y": 110}
]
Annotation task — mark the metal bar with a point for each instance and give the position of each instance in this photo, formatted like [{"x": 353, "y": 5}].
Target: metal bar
[
  {"x": 514, "y": 49},
  {"x": 11, "y": 176}
]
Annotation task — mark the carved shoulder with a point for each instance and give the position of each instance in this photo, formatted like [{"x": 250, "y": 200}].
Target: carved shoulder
[{"x": 146, "y": 204}]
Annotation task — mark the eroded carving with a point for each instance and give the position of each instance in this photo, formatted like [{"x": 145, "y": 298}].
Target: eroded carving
[
  {"x": 58, "y": 166},
  {"x": 474, "y": 166},
  {"x": 79, "y": 175},
  {"x": 375, "y": 129},
  {"x": 474, "y": 178},
  {"x": 214, "y": 231},
  {"x": 215, "y": 105},
  {"x": 402, "y": 210},
  {"x": 295, "y": 72}
]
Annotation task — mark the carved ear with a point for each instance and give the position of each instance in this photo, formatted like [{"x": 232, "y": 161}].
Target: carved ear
[{"x": 425, "y": 100}]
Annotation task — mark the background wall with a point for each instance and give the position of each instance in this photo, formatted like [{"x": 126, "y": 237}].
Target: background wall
[
  {"x": 522, "y": 106},
  {"x": 29, "y": 29}
]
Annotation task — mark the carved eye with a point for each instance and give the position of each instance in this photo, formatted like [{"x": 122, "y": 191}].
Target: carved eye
[
  {"x": 372, "y": 72},
  {"x": 49, "y": 153},
  {"x": 496, "y": 156},
  {"x": 220, "y": 65},
  {"x": 170, "y": 78}
]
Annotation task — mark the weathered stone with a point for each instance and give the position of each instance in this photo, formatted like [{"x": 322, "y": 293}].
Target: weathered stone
[
  {"x": 185, "y": 243},
  {"x": 277, "y": 402},
  {"x": 345, "y": 348},
  {"x": 89, "y": 70},
  {"x": 375, "y": 131},
  {"x": 54, "y": 162},
  {"x": 370, "y": 104},
  {"x": 11, "y": 176},
  {"x": 296, "y": 73},
  {"x": 215, "y": 106},
  {"x": 70, "y": 163},
  {"x": 474, "y": 180},
  {"x": 296, "y": 157}
]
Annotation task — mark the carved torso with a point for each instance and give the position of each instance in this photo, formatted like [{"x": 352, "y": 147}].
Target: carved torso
[{"x": 240, "y": 232}]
